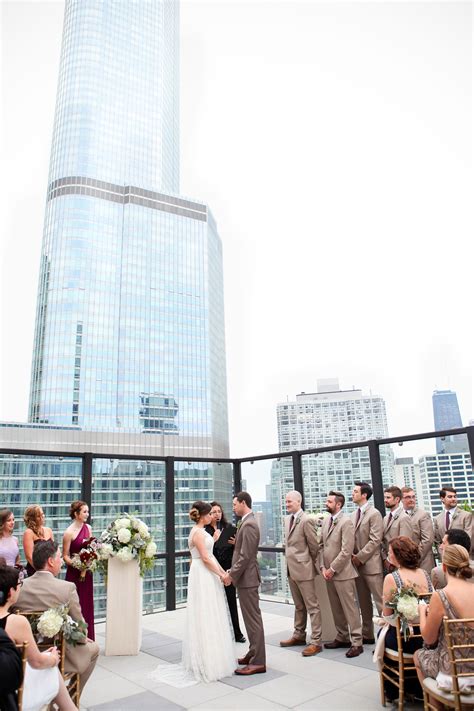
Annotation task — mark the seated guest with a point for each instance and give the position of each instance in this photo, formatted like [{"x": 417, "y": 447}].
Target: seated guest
[
  {"x": 404, "y": 555},
  {"x": 455, "y": 536},
  {"x": 11, "y": 673},
  {"x": 454, "y": 601},
  {"x": 44, "y": 590},
  {"x": 35, "y": 531},
  {"x": 9, "y": 549},
  {"x": 43, "y": 682}
]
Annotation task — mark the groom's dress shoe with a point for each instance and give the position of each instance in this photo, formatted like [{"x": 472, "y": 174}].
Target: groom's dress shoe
[
  {"x": 245, "y": 660},
  {"x": 292, "y": 642},
  {"x": 336, "y": 644},
  {"x": 251, "y": 669}
]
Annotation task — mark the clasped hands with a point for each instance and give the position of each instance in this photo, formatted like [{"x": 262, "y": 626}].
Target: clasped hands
[{"x": 226, "y": 579}]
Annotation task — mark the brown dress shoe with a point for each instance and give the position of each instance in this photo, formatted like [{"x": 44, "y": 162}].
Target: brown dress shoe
[
  {"x": 292, "y": 642},
  {"x": 311, "y": 650},
  {"x": 354, "y": 652},
  {"x": 245, "y": 660},
  {"x": 251, "y": 669},
  {"x": 336, "y": 644}
]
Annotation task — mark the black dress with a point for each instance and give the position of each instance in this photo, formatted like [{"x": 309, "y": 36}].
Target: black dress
[{"x": 223, "y": 553}]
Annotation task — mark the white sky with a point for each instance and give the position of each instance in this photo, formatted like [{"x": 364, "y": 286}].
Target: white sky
[{"x": 333, "y": 142}]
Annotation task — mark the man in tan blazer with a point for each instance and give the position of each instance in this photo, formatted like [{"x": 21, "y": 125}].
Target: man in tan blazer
[
  {"x": 335, "y": 562},
  {"x": 367, "y": 557},
  {"x": 396, "y": 522},
  {"x": 44, "y": 590},
  {"x": 245, "y": 575},
  {"x": 451, "y": 516},
  {"x": 422, "y": 528},
  {"x": 301, "y": 551}
]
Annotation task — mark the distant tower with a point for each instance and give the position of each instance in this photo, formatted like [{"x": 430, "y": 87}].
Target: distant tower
[{"x": 447, "y": 417}]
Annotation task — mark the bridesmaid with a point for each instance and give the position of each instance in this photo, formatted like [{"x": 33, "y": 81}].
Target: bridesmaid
[
  {"x": 35, "y": 531},
  {"x": 9, "y": 549},
  {"x": 73, "y": 541}
]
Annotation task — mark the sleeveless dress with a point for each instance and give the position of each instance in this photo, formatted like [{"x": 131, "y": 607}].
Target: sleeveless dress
[
  {"x": 40, "y": 686},
  {"x": 29, "y": 568},
  {"x": 411, "y": 644},
  {"x": 85, "y": 587},
  {"x": 9, "y": 549},
  {"x": 208, "y": 646}
]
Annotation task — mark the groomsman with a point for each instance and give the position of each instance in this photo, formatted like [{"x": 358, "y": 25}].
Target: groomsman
[
  {"x": 301, "y": 551},
  {"x": 335, "y": 561},
  {"x": 451, "y": 516},
  {"x": 367, "y": 557},
  {"x": 396, "y": 522},
  {"x": 422, "y": 525}
]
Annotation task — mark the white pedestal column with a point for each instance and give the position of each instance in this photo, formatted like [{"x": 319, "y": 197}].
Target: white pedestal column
[{"x": 124, "y": 608}]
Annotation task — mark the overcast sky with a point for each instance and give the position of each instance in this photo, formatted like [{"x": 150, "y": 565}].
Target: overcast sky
[{"x": 333, "y": 143}]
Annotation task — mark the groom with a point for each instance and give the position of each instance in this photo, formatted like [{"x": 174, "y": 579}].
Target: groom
[{"x": 245, "y": 575}]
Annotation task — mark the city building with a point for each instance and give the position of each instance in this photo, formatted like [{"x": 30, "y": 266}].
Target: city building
[
  {"x": 450, "y": 469},
  {"x": 447, "y": 417},
  {"x": 407, "y": 473},
  {"x": 129, "y": 346}
]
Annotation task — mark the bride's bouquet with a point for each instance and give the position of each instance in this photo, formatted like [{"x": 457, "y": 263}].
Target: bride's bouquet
[
  {"x": 128, "y": 538},
  {"x": 87, "y": 559},
  {"x": 404, "y": 603}
]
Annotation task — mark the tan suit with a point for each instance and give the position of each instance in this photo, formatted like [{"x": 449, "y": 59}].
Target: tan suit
[
  {"x": 245, "y": 575},
  {"x": 398, "y": 525},
  {"x": 367, "y": 549},
  {"x": 458, "y": 519},
  {"x": 337, "y": 546},
  {"x": 423, "y": 536},
  {"x": 301, "y": 550},
  {"x": 42, "y": 591}
]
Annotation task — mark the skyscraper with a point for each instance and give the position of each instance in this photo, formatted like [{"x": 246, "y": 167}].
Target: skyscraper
[
  {"x": 130, "y": 321},
  {"x": 447, "y": 417}
]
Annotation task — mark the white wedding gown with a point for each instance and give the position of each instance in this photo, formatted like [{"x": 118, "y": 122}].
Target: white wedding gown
[{"x": 208, "y": 644}]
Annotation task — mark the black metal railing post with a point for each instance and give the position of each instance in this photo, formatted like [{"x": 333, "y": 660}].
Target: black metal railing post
[
  {"x": 86, "y": 481},
  {"x": 376, "y": 472},
  {"x": 170, "y": 535},
  {"x": 470, "y": 441},
  {"x": 237, "y": 474},
  {"x": 298, "y": 475}
]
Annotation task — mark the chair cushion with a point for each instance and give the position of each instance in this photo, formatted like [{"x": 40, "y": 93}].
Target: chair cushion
[
  {"x": 432, "y": 687},
  {"x": 393, "y": 655}
]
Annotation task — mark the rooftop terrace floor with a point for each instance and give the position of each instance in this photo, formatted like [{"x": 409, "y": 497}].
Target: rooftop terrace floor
[{"x": 326, "y": 681}]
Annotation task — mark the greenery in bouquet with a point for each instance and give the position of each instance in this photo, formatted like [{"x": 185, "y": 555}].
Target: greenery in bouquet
[
  {"x": 127, "y": 538},
  {"x": 404, "y": 603},
  {"x": 51, "y": 622},
  {"x": 87, "y": 560}
]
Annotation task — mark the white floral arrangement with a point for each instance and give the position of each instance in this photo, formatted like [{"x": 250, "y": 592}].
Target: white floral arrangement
[
  {"x": 404, "y": 603},
  {"x": 51, "y": 622},
  {"x": 128, "y": 538},
  {"x": 318, "y": 518}
]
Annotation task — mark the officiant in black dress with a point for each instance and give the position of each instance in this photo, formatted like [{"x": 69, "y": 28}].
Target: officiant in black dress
[{"x": 223, "y": 534}]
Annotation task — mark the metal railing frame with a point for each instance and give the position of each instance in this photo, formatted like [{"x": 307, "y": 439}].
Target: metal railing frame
[{"x": 171, "y": 554}]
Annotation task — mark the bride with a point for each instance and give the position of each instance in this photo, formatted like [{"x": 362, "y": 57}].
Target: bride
[{"x": 208, "y": 648}]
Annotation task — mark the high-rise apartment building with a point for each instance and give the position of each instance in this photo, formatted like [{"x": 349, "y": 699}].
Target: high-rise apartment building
[
  {"x": 449, "y": 469},
  {"x": 407, "y": 473},
  {"x": 447, "y": 417}
]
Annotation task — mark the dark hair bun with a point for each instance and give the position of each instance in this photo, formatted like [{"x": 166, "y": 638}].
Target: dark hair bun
[
  {"x": 465, "y": 572},
  {"x": 194, "y": 515}
]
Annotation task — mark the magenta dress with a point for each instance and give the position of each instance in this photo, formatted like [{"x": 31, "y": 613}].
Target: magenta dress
[{"x": 85, "y": 588}]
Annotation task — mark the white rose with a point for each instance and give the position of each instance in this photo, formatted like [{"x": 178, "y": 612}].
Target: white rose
[
  {"x": 408, "y": 607},
  {"x": 124, "y": 535},
  {"x": 150, "y": 550},
  {"x": 106, "y": 550},
  {"x": 122, "y": 523},
  {"x": 125, "y": 554},
  {"x": 50, "y": 623},
  {"x": 142, "y": 529}
]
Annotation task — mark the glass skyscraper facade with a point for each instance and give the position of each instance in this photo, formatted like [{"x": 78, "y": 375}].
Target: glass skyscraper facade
[
  {"x": 447, "y": 417},
  {"x": 130, "y": 317}
]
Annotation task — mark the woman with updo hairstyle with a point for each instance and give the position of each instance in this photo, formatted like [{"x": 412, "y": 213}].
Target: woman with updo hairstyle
[
  {"x": 75, "y": 537},
  {"x": 208, "y": 645},
  {"x": 42, "y": 682},
  {"x": 35, "y": 531},
  {"x": 455, "y": 601}
]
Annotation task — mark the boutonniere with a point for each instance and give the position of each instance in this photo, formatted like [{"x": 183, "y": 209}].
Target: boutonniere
[{"x": 239, "y": 523}]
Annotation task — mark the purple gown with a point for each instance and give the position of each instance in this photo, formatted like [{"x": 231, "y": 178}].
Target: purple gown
[{"x": 84, "y": 587}]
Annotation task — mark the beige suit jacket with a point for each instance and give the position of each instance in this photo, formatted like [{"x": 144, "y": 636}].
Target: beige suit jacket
[
  {"x": 301, "y": 548},
  {"x": 337, "y": 546},
  {"x": 459, "y": 519},
  {"x": 368, "y": 540},
  {"x": 245, "y": 572},
  {"x": 423, "y": 536},
  {"x": 42, "y": 591},
  {"x": 400, "y": 525}
]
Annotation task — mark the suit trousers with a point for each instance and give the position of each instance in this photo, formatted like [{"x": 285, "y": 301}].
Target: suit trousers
[
  {"x": 81, "y": 659},
  {"x": 249, "y": 605},
  {"x": 345, "y": 610},
  {"x": 306, "y": 602},
  {"x": 234, "y": 613},
  {"x": 369, "y": 587}
]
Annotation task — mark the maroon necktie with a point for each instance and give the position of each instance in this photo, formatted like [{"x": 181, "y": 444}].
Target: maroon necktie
[
  {"x": 389, "y": 519},
  {"x": 447, "y": 520},
  {"x": 359, "y": 514},
  {"x": 292, "y": 522}
]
